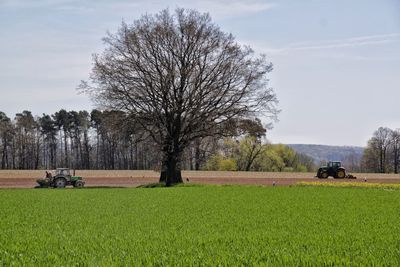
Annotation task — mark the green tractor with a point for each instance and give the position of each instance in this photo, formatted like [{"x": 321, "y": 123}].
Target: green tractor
[
  {"x": 333, "y": 168},
  {"x": 61, "y": 179}
]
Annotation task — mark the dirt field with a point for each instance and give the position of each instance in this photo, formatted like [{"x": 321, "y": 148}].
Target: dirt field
[{"x": 27, "y": 178}]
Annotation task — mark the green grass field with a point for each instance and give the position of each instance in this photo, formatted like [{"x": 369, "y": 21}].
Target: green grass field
[{"x": 208, "y": 225}]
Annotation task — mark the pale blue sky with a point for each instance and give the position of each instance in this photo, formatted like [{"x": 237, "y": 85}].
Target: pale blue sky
[{"x": 342, "y": 50}]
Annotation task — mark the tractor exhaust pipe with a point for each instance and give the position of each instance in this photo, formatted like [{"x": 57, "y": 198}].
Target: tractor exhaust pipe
[{"x": 74, "y": 172}]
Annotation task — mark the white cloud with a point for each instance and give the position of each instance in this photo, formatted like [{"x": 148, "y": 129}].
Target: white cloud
[
  {"x": 226, "y": 8},
  {"x": 32, "y": 3},
  {"x": 370, "y": 40},
  {"x": 220, "y": 8},
  {"x": 349, "y": 42}
]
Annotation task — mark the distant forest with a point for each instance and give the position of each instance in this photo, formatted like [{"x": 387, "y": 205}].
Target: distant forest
[
  {"x": 75, "y": 139},
  {"x": 111, "y": 140}
]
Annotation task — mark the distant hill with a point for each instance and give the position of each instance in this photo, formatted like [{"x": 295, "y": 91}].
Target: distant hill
[{"x": 346, "y": 154}]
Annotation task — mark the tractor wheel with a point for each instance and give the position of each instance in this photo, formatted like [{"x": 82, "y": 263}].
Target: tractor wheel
[
  {"x": 79, "y": 184},
  {"x": 341, "y": 174},
  {"x": 324, "y": 175},
  {"x": 60, "y": 183}
]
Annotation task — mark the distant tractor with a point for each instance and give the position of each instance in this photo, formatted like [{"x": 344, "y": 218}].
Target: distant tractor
[
  {"x": 61, "y": 179},
  {"x": 333, "y": 168}
]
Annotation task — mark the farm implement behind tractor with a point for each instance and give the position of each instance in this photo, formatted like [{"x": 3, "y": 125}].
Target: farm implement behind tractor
[
  {"x": 334, "y": 169},
  {"x": 61, "y": 179}
]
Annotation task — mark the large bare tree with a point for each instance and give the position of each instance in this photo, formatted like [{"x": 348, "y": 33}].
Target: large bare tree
[{"x": 182, "y": 78}]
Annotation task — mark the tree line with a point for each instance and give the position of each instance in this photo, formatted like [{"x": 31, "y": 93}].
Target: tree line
[
  {"x": 110, "y": 140},
  {"x": 250, "y": 154},
  {"x": 75, "y": 139},
  {"x": 382, "y": 154}
]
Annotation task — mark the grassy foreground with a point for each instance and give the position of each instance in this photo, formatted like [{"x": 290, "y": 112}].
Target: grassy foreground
[
  {"x": 352, "y": 184},
  {"x": 211, "y": 225}
]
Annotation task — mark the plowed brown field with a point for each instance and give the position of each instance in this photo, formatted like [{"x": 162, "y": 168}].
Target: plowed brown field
[{"x": 93, "y": 178}]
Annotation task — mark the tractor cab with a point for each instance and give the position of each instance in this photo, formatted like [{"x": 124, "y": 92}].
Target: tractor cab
[
  {"x": 63, "y": 172},
  {"x": 334, "y": 164}
]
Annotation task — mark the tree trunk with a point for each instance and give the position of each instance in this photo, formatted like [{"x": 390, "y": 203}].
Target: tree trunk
[
  {"x": 396, "y": 160},
  {"x": 53, "y": 154},
  {"x": 253, "y": 157},
  {"x": 97, "y": 149},
  {"x": 87, "y": 152},
  {"x": 163, "y": 175},
  {"x": 131, "y": 160},
  {"x": 197, "y": 154},
  {"x": 171, "y": 169},
  {"x": 6, "y": 157},
  {"x": 66, "y": 150},
  {"x": 13, "y": 153},
  {"x": 384, "y": 161},
  {"x": 45, "y": 153},
  {"x": 3, "y": 158},
  {"x": 61, "y": 162},
  {"x": 37, "y": 157}
]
